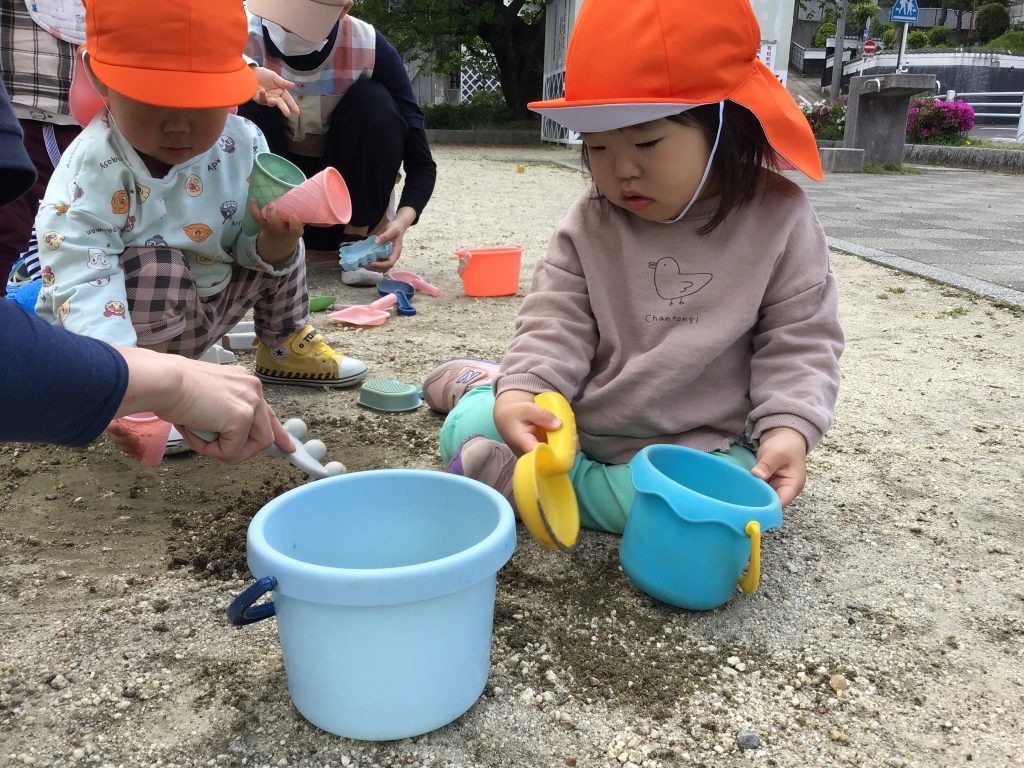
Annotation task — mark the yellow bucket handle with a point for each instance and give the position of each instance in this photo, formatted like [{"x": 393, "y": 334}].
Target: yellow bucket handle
[{"x": 750, "y": 580}]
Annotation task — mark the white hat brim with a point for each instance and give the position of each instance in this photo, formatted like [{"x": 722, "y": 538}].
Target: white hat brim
[{"x": 594, "y": 118}]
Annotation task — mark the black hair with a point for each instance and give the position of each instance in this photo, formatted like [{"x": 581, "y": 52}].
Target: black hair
[{"x": 743, "y": 150}]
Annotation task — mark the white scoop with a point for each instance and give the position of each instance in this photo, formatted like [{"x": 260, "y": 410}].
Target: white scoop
[{"x": 306, "y": 456}]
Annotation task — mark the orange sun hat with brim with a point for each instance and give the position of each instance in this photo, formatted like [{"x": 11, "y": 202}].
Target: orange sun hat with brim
[
  {"x": 183, "y": 54},
  {"x": 640, "y": 60}
]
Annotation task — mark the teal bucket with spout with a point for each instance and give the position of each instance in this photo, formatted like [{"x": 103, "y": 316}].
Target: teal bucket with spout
[
  {"x": 383, "y": 586},
  {"x": 694, "y": 525}
]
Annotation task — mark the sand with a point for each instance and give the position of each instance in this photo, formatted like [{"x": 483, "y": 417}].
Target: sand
[{"x": 888, "y": 628}]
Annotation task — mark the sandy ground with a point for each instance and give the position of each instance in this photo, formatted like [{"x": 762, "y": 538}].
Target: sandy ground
[{"x": 888, "y": 630}]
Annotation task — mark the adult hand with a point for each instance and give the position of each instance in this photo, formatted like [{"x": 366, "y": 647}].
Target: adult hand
[
  {"x": 521, "y": 422},
  {"x": 273, "y": 91},
  {"x": 394, "y": 233},
  {"x": 224, "y": 399},
  {"x": 782, "y": 462}
]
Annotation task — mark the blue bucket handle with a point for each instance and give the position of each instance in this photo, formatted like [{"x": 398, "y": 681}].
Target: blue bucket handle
[{"x": 242, "y": 611}]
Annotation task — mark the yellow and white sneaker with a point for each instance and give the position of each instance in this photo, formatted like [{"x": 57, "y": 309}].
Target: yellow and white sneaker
[{"x": 305, "y": 359}]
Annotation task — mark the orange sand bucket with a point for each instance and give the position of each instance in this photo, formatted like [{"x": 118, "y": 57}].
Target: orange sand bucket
[{"x": 490, "y": 271}]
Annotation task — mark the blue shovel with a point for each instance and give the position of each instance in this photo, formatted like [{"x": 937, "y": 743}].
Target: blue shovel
[{"x": 403, "y": 293}]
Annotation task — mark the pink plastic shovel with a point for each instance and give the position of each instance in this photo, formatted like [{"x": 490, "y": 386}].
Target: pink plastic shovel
[
  {"x": 322, "y": 200},
  {"x": 415, "y": 281},
  {"x": 365, "y": 314}
]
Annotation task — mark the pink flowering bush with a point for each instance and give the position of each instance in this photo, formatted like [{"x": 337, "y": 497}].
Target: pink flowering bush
[
  {"x": 827, "y": 118},
  {"x": 931, "y": 121}
]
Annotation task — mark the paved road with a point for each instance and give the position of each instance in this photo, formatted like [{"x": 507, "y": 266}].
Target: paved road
[
  {"x": 1006, "y": 131},
  {"x": 805, "y": 89},
  {"x": 960, "y": 227}
]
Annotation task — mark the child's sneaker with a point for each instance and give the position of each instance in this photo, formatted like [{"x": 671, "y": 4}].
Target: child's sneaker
[
  {"x": 447, "y": 383},
  {"x": 488, "y": 461},
  {"x": 23, "y": 271},
  {"x": 305, "y": 359},
  {"x": 175, "y": 443}
]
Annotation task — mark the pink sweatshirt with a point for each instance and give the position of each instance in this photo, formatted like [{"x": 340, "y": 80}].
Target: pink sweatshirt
[{"x": 657, "y": 334}]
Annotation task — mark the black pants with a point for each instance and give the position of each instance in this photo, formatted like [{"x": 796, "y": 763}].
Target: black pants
[{"x": 365, "y": 142}]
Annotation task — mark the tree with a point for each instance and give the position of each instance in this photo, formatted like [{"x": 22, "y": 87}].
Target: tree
[
  {"x": 945, "y": 6},
  {"x": 959, "y": 8},
  {"x": 992, "y": 21},
  {"x": 825, "y": 30},
  {"x": 857, "y": 14},
  {"x": 441, "y": 34}
]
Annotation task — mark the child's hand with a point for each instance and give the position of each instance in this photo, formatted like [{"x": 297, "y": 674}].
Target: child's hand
[
  {"x": 278, "y": 237},
  {"x": 782, "y": 462},
  {"x": 521, "y": 422},
  {"x": 273, "y": 91}
]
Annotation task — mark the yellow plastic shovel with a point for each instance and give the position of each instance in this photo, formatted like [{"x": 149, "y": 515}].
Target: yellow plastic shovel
[{"x": 543, "y": 492}]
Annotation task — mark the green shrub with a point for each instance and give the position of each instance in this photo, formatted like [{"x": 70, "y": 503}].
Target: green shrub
[
  {"x": 881, "y": 29},
  {"x": 825, "y": 30},
  {"x": 484, "y": 110},
  {"x": 889, "y": 36},
  {"x": 992, "y": 21},
  {"x": 1011, "y": 41},
  {"x": 917, "y": 39},
  {"x": 485, "y": 98},
  {"x": 827, "y": 118},
  {"x": 941, "y": 37}
]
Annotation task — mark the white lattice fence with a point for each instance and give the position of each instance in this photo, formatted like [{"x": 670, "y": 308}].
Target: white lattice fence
[
  {"x": 554, "y": 88},
  {"x": 474, "y": 81}
]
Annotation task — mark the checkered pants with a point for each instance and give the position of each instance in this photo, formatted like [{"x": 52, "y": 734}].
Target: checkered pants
[{"x": 164, "y": 305}]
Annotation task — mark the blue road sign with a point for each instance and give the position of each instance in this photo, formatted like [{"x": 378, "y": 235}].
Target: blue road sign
[{"x": 905, "y": 11}]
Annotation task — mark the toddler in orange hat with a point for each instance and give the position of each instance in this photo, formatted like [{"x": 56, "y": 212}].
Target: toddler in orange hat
[
  {"x": 687, "y": 299},
  {"x": 140, "y": 227}
]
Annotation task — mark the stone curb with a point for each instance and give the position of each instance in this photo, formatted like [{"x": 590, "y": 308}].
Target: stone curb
[
  {"x": 980, "y": 158},
  {"x": 977, "y": 158},
  {"x": 980, "y": 288}
]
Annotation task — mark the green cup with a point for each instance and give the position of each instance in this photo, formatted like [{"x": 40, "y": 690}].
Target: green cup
[{"x": 271, "y": 177}]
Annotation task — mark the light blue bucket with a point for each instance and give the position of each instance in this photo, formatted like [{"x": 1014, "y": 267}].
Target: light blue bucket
[
  {"x": 688, "y": 536},
  {"x": 383, "y": 586}
]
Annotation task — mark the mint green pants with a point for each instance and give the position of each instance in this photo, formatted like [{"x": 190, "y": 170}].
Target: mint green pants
[{"x": 604, "y": 492}]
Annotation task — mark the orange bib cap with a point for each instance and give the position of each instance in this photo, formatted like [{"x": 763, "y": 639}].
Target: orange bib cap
[
  {"x": 184, "y": 54},
  {"x": 640, "y": 60}
]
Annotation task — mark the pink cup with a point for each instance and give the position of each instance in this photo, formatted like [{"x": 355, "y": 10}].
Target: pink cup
[{"x": 152, "y": 433}]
